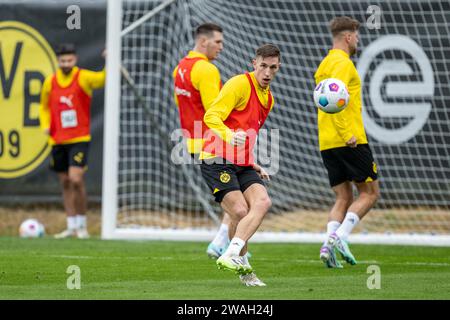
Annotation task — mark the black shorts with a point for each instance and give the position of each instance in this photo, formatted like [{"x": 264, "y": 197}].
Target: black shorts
[
  {"x": 349, "y": 164},
  {"x": 224, "y": 178},
  {"x": 64, "y": 156}
]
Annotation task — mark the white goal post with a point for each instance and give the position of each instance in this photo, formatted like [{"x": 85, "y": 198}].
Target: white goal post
[{"x": 404, "y": 65}]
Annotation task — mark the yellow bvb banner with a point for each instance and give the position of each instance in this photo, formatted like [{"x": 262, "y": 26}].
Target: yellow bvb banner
[{"x": 26, "y": 59}]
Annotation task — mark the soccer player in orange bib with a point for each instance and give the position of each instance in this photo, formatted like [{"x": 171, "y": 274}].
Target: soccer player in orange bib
[
  {"x": 197, "y": 83},
  {"x": 65, "y": 117},
  {"x": 228, "y": 167}
]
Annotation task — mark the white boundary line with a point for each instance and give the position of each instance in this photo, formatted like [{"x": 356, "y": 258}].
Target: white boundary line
[{"x": 279, "y": 237}]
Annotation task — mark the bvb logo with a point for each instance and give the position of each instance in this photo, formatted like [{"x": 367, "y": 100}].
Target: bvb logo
[
  {"x": 26, "y": 59},
  {"x": 79, "y": 157},
  {"x": 224, "y": 177},
  {"x": 374, "y": 167}
]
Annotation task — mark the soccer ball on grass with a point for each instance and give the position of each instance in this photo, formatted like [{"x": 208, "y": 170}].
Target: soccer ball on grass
[{"x": 31, "y": 228}]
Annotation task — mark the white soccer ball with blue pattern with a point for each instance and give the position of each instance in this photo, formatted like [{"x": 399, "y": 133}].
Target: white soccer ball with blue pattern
[
  {"x": 331, "y": 96},
  {"x": 31, "y": 228}
]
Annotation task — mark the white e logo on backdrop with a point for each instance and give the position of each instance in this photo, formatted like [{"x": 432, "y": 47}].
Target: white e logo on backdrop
[{"x": 418, "y": 111}]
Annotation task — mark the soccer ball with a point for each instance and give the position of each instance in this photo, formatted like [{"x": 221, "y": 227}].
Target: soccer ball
[
  {"x": 331, "y": 95},
  {"x": 31, "y": 228}
]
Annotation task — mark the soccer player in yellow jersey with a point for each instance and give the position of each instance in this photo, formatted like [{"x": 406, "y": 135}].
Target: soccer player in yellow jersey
[
  {"x": 65, "y": 116},
  {"x": 344, "y": 147},
  {"x": 197, "y": 84},
  {"x": 228, "y": 167}
]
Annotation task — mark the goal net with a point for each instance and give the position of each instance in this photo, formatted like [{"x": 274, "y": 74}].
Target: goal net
[{"x": 405, "y": 71}]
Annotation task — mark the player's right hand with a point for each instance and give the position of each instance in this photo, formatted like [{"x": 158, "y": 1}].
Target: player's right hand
[
  {"x": 262, "y": 173},
  {"x": 351, "y": 142},
  {"x": 239, "y": 138}
]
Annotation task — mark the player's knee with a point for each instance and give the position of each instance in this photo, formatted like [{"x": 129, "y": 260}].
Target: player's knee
[
  {"x": 77, "y": 182},
  {"x": 239, "y": 211},
  {"x": 65, "y": 183},
  {"x": 264, "y": 203}
]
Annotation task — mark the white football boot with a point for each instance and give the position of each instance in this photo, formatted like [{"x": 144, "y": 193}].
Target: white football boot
[
  {"x": 68, "y": 233},
  {"x": 82, "y": 233},
  {"x": 251, "y": 280}
]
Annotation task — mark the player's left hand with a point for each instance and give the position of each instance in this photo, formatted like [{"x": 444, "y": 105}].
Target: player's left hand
[
  {"x": 262, "y": 173},
  {"x": 104, "y": 53}
]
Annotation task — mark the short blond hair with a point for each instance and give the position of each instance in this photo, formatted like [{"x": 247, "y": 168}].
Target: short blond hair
[{"x": 344, "y": 23}]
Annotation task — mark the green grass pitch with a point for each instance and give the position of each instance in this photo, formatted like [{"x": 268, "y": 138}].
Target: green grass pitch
[{"x": 36, "y": 269}]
